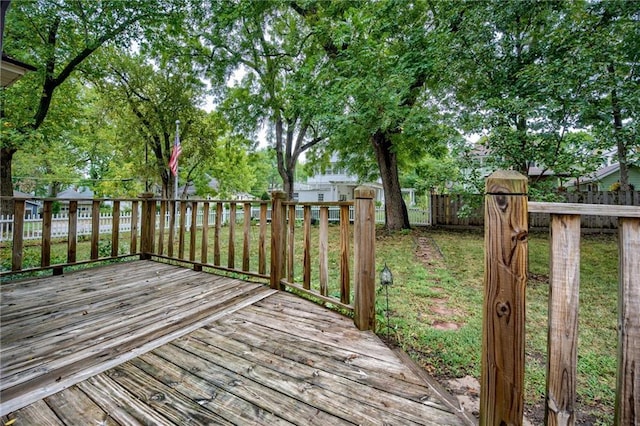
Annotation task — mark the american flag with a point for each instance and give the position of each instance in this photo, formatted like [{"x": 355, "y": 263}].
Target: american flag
[{"x": 173, "y": 161}]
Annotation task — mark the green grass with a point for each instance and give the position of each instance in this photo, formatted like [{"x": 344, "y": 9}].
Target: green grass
[
  {"x": 457, "y": 284},
  {"x": 422, "y": 294}
]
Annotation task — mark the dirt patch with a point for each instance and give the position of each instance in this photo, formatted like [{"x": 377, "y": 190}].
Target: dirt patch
[{"x": 430, "y": 255}]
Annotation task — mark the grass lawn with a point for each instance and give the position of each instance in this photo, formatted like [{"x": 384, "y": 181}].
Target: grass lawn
[
  {"x": 447, "y": 292},
  {"x": 436, "y": 303}
]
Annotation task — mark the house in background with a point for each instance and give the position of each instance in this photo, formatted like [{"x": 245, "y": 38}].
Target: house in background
[
  {"x": 334, "y": 184},
  {"x": 83, "y": 194},
  {"x": 31, "y": 207},
  {"x": 603, "y": 178}
]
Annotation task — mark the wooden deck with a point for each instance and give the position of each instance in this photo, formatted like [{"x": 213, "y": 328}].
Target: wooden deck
[{"x": 148, "y": 343}]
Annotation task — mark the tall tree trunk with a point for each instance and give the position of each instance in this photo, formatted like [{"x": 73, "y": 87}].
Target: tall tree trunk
[
  {"x": 619, "y": 136},
  {"x": 6, "y": 185},
  {"x": 396, "y": 215}
]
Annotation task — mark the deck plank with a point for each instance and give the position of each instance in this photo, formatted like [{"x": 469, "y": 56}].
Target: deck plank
[
  {"x": 208, "y": 394},
  {"x": 171, "y": 404},
  {"x": 150, "y": 343},
  {"x": 121, "y": 405}
]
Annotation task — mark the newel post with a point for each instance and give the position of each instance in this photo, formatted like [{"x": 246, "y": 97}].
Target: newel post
[
  {"x": 147, "y": 225},
  {"x": 364, "y": 252},
  {"x": 505, "y": 280},
  {"x": 278, "y": 235}
]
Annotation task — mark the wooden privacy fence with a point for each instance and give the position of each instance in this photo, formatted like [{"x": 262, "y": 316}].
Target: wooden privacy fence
[
  {"x": 505, "y": 280},
  {"x": 466, "y": 210},
  {"x": 252, "y": 238}
]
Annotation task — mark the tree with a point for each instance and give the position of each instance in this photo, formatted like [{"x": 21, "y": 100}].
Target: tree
[
  {"x": 384, "y": 59},
  {"x": 57, "y": 38},
  {"x": 611, "y": 32},
  {"x": 269, "y": 44},
  {"x": 518, "y": 81},
  {"x": 155, "y": 96}
]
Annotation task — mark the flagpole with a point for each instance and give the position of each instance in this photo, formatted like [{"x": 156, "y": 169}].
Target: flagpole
[{"x": 175, "y": 192}]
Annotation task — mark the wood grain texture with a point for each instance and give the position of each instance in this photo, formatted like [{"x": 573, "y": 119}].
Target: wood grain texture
[
  {"x": 231, "y": 251},
  {"x": 262, "y": 240},
  {"x": 627, "y": 410},
  {"x": 18, "y": 229},
  {"x": 345, "y": 256},
  {"x": 246, "y": 237},
  {"x": 47, "y": 212},
  {"x": 306, "y": 243},
  {"x": 364, "y": 253},
  {"x": 505, "y": 280},
  {"x": 323, "y": 250},
  {"x": 204, "y": 242},
  {"x": 193, "y": 231},
  {"x": 585, "y": 209},
  {"x": 291, "y": 240},
  {"x": 95, "y": 228},
  {"x": 263, "y": 358},
  {"x": 115, "y": 228},
  {"x": 72, "y": 236},
  {"x": 562, "y": 340}
]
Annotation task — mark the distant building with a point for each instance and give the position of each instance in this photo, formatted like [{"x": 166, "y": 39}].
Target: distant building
[
  {"x": 31, "y": 206},
  {"x": 334, "y": 184},
  {"x": 603, "y": 178},
  {"x": 82, "y": 194}
]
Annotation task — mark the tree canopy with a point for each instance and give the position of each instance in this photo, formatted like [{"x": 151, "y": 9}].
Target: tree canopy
[{"x": 390, "y": 88}]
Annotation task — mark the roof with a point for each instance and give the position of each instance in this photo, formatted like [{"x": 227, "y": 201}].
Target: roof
[
  {"x": 76, "y": 193},
  {"x": 12, "y": 69}
]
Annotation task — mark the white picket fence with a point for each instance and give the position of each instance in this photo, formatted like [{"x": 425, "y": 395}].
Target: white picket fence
[{"x": 60, "y": 222}]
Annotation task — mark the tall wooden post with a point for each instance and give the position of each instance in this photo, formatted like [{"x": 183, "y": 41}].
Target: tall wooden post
[
  {"x": 147, "y": 224},
  {"x": 278, "y": 241},
  {"x": 364, "y": 252},
  {"x": 628, "y": 379},
  {"x": 505, "y": 280}
]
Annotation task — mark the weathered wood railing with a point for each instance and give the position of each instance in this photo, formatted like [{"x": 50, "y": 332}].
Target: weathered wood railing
[
  {"x": 171, "y": 229},
  {"x": 283, "y": 266},
  {"x": 502, "y": 377}
]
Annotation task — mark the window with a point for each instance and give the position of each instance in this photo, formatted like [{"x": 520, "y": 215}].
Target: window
[
  {"x": 343, "y": 197},
  {"x": 320, "y": 197},
  {"x": 295, "y": 196}
]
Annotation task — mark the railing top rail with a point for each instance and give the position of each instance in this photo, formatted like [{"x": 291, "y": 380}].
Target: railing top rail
[
  {"x": 88, "y": 200},
  {"x": 318, "y": 203},
  {"x": 584, "y": 209}
]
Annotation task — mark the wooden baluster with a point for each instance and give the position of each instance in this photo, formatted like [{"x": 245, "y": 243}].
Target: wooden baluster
[
  {"x": 562, "y": 342},
  {"x": 216, "y": 235},
  {"x": 345, "y": 290},
  {"x": 262, "y": 245},
  {"x": 205, "y": 233},
  {"x": 161, "y": 225},
  {"x": 182, "y": 228},
  {"x": 306, "y": 261},
  {"x": 18, "y": 231},
  {"x": 172, "y": 227},
  {"x": 231, "y": 254},
  {"x": 115, "y": 228},
  {"x": 246, "y": 255},
  {"x": 505, "y": 280},
  {"x": 323, "y": 244},
  {"x": 627, "y": 410},
  {"x": 95, "y": 228},
  {"x": 72, "y": 242},
  {"x": 45, "y": 251},
  {"x": 364, "y": 252},
  {"x": 134, "y": 227},
  {"x": 291, "y": 242},
  {"x": 193, "y": 231}
]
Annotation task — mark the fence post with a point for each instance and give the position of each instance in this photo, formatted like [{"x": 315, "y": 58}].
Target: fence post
[
  {"x": 628, "y": 378},
  {"x": 278, "y": 219},
  {"x": 147, "y": 225},
  {"x": 364, "y": 252},
  {"x": 505, "y": 280}
]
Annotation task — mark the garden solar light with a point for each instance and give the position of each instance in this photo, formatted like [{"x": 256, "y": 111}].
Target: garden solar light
[{"x": 386, "y": 279}]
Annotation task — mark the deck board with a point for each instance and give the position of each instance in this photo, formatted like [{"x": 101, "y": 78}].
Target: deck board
[{"x": 165, "y": 345}]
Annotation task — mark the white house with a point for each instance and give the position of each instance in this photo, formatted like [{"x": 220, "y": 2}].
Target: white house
[{"x": 335, "y": 184}]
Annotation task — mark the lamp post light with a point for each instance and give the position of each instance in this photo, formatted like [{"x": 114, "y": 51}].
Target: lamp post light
[{"x": 386, "y": 280}]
